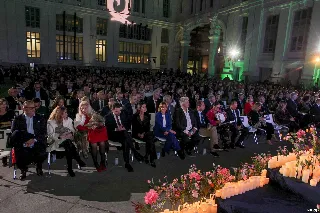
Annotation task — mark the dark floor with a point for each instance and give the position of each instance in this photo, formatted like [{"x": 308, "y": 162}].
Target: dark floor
[{"x": 114, "y": 190}]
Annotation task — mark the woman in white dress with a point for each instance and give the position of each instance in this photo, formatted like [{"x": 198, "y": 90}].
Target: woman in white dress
[{"x": 60, "y": 137}]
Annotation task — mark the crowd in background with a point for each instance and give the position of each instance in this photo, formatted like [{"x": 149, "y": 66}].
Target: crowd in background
[{"x": 71, "y": 109}]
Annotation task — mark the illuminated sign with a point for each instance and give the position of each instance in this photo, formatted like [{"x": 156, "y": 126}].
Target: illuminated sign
[{"x": 119, "y": 10}]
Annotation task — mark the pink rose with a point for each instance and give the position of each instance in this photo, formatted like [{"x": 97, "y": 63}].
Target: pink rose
[
  {"x": 151, "y": 197},
  {"x": 195, "y": 194}
]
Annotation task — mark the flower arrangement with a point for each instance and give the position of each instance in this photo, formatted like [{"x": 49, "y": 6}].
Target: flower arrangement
[{"x": 197, "y": 185}]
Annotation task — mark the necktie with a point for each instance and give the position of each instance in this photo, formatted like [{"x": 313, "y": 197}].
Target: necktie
[
  {"x": 235, "y": 116},
  {"x": 201, "y": 118},
  {"x": 100, "y": 104},
  {"x": 118, "y": 121}
]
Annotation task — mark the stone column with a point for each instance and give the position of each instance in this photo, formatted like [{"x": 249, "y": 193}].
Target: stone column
[
  {"x": 89, "y": 40},
  {"x": 184, "y": 54},
  {"x": 282, "y": 45},
  {"x": 214, "y": 41},
  {"x": 156, "y": 47},
  {"x": 310, "y": 65}
]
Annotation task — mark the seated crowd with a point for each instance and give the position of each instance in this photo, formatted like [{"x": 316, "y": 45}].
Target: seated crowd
[{"x": 71, "y": 110}]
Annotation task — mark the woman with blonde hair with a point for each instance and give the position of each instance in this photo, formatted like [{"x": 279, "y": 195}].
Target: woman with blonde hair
[
  {"x": 60, "y": 137},
  {"x": 93, "y": 124}
]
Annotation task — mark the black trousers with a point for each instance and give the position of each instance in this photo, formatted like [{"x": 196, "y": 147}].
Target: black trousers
[
  {"x": 187, "y": 143},
  {"x": 235, "y": 132},
  {"x": 269, "y": 129},
  {"x": 25, "y": 156},
  {"x": 126, "y": 140},
  {"x": 70, "y": 152},
  {"x": 150, "y": 146}
]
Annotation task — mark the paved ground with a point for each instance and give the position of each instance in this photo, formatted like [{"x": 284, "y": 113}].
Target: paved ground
[{"x": 111, "y": 191}]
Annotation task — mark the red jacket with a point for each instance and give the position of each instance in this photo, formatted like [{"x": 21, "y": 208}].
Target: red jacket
[
  {"x": 212, "y": 117},
  {"x": 94, "y": 135}
]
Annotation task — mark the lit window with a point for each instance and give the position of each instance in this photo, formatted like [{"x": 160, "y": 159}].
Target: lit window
[
  {"x": 33, "y": 45},
  {"x": 101, "y": 50},
  {"x": 134, "y": 53},
  {"x": 69, "y": 48}
]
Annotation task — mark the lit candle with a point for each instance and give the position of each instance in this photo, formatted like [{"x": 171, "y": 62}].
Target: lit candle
[
  {"x": 305, "y": 175},
  {"x": 218, "y": 193},
  {"x": 264, "y": 173},
  {"x": 313, "y": 182},
  {"x": 286, "y": 172}
]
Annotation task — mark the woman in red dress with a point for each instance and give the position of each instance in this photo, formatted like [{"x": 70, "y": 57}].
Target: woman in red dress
[
  {"x": 87, "y": 120},
  {"x": 248, "y": 105}
]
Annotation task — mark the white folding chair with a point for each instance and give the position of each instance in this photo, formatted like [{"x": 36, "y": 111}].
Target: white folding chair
[
  {"x": 269, "y": 119},
  {"x": 4, "y": 152},
  {"x": 43, "y": 103},
  {"x": 68, "y": 102},
  {"x": 245, "y": 123}
]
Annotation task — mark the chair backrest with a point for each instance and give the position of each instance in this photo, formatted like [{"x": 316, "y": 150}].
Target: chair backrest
[
  {"x": 245, "y": 121},
  {"x": 4, "y": 138},
  {"x": 51, "y": 103},
  {"x": 269, "y": 119},
  {"x": 43, "y": 103},
  {"x": 68, "y": 102},
  {"x": 152, "y": 120}
]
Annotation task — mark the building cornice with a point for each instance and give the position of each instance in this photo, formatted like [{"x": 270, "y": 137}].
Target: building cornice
[{"x": 97, "y": 12}]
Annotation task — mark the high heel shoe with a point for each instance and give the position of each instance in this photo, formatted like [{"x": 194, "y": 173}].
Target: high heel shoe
[
  {"x": 71, "y": 173},
  {"x": 153, "y": 164}
]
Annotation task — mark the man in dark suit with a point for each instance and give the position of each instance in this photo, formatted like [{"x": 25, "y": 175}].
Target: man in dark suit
[
  {"x": 241, "y": 102},
  {"x": 117, "y": 125},
  {"x": 130, "y": 108},
  {"x": 29, "y": 139},
  {"x": 233, "y": 114},
  {"x": 209, "y": 102},
  {"x": 153, "y": 101},
  {"x": 37, "y": 92},
  {"x": 315, "y": 111},
  {"x": 264, "y": 107},
  {"x": 99, "y": 104},
  {"x": 168, "y": 100},
  {"x": 202, "y": 126},
  {"x": 292, "y": 106},
  {"x": 12, "y": 98},
  {"x": 185, "y": 124},
  {"x": 120, "y": 99}
]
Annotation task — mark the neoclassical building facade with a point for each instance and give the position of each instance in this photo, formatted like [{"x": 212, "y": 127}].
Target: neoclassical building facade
[{"x": 242, "y": 39}]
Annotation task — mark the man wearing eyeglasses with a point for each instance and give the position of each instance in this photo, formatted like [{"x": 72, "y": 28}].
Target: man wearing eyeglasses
[
  {"x": 37, "y": 92},
  {"x": 29, "y": 139}
]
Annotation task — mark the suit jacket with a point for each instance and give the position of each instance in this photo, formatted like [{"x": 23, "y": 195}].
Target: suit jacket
[
  {"x": 241, "y": 104},
  {"x": 139, "y": 126},
  {"x": 96, "y": 105},
  {"x": 123, "y": 101},
  {"x": 315, "y": 110},
  {"x": 199, "y": 124},
  {"x": 105, "y": 111},
  {"x": 12, "y": 103},
  {"x": 158, "y": 128},
  {"x": 208, "y": 106},
  {"x": 231, "y": 117},
  {"x": 292, "y": 108},
  {"x": 151, "y": 107},
  {"x": 39, "y": 127},
  {"x": 180, "y": 120},
  {"x": 111, "y": 123},
  {"x": 31, "y": 93},
  {"x": 129, "y": 111}
]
